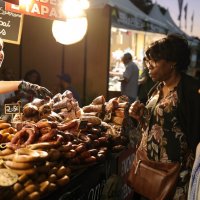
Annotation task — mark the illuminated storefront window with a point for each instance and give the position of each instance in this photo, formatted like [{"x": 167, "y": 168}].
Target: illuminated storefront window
[{"x": 126, "y": 40}]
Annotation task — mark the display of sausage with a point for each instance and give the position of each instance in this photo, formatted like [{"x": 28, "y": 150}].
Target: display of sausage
[{"x": 46, "y": 143}]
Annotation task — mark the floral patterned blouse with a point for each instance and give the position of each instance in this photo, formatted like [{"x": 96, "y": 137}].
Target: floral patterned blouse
[{"x": 163, "y": 138}]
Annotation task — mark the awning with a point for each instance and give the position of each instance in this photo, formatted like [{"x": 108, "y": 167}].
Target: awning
[
  {"x": 165, "y": 19},
  {"x": 126, "y": 15}
]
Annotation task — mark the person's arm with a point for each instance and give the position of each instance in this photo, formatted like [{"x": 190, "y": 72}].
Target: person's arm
[
  {"x": 126, "y": 75},
  {"x": 9, "y": 86},
  {"x": 124, "y": 79}
]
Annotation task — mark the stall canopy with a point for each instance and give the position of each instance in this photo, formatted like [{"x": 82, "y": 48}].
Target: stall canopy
[
  {"x": 126, "y": 15},
  {"x": 165, "y": 19},
  {"x": 172, "y": 27},
  {"x": 168, "y": 17}
]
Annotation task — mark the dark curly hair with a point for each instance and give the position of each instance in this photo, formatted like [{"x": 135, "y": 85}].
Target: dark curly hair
[
  {"x": 28, "y": 75},
  {"x": 173, "y": 48}
]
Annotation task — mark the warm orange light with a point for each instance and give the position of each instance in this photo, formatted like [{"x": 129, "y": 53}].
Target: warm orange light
[
  {"x": 74, "y": 8},
  {"x": 70, "y": 31},
  {"x": 24, "y": 2}
]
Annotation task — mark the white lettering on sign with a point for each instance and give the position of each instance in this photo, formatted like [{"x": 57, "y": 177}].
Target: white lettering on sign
[
  {"x": 126, "y": 164},
  {"x": 95, "y": 193},
  {"x": 44, "y": 1},
  {"x": 53, "y": 13},
  {"x": 2, "y": 32},
  {"x": 15, "y": 7},
  {"x": 5, "y": 24},
  {"x": 126, "y": 191},
  {"x": 35, "y": 9},
  {"x": 51, "y": 2},
  {"x": 3, "y": 12},
  {"x": 129, "y": 20},
  {"x": 44, "y": 10},
  {"x": 54, "y": 2}
]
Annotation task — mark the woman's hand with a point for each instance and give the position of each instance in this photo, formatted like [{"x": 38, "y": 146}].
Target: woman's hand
[{"x": 137, "y": 110}]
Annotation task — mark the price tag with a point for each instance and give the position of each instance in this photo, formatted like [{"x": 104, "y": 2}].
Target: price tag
[{"x": 12, "y": 108}]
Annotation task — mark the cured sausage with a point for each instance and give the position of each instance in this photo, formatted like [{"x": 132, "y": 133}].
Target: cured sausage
[
  {"x": 99, "y": 100},
  {"x": 25, "y": 136},
  {"x": 92, "y": 108},
  {"x": 48, "y": 136},
  {"x": 71, "y": 124},
  {"x": 91, "y": 119}
]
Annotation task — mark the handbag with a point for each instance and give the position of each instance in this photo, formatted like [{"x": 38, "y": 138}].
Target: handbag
[{"x": 152, "y": 179}]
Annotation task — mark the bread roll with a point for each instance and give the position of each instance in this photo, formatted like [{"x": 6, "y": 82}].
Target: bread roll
[
  {"x": 118, "y": 120},
  {"x": 99, "y": 100},
  {"x": 92, "y": 108},
  {"x": 119, "y": 112},
  {"x": 91, "y": 119}
]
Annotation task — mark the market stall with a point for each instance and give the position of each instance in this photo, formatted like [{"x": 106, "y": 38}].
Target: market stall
[
  {"x": 90, "y": 57},
  {"x": 109, "y": 23}
]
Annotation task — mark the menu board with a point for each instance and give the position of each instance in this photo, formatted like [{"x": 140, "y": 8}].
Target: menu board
[{"x": 10, "y": 25}]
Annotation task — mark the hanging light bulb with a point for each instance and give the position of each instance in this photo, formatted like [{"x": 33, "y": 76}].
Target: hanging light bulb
[
  {"x": 75, "y": 27},
  {"x": 72, "y": 8},
  {"x": 84, "y": 4},
  {"x": 70, "y": 31},
  {"x": 25, "y": 2}
]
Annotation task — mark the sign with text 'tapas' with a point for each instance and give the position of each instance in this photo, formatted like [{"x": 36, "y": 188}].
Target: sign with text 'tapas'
[{"x": 49, "y": 9}]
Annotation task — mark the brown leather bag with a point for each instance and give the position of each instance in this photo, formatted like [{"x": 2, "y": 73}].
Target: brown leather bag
[{"x": 153, "y": 180}]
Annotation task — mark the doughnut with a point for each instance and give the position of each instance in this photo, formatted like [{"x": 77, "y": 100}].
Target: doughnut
[
  {"x": 28, "y": 155},
  {"x": 4, "y": 125},
  {"x": 17, "y": 165},
  {"x": 42, "y": 145}
]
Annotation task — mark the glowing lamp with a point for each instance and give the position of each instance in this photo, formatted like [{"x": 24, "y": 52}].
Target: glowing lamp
[{"x": 70, "y": 31}]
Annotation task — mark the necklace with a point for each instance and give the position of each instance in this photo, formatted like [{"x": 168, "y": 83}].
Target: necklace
[{"x": 167, "y": 88}]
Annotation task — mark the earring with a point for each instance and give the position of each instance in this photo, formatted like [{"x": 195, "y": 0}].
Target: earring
[{"x": 173, "y": 67}]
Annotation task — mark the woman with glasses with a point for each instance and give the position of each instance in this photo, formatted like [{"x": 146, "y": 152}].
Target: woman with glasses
[{"x": 170, "y": 120}]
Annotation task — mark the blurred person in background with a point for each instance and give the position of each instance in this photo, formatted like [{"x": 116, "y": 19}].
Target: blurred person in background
[
  {"x": 33, "y": 76},
  {"x": 145, "y": 84},
  {"x": 8, "y": 74},
  {"x": 129, "y": 80},
  {"x": 197, "y": 74},
  {"x": 65, "y": 83}
]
